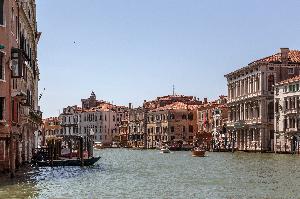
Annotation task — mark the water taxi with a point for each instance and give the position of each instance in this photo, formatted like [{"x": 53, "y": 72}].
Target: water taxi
[
  {"x": 165, "y": 149},
  {"x": 98, "y": 146},
  {"x": 198, "y": 152}
]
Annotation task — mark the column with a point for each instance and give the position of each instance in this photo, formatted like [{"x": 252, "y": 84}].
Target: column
[
  {"x": 255, "y": 83},
  {"x": 260, "y": 109},
  {"x": 245, "y": 139},
  {"x": 229, "y": 95},
  {"x": 242, "y": 140},
  {"x": 262, "y": 86}
]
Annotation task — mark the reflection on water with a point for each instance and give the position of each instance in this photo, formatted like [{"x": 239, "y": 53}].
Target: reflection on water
[{"x": 122, "y": 173}]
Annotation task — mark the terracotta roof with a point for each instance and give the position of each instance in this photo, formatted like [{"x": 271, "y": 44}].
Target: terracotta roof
[
  {"x": 293, "y": 56},
  {"x": 290, "y": 80},
  {"x": 176, "y": 106}
]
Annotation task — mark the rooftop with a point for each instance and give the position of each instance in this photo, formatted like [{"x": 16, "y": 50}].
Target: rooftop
[{"x": 287, "y": 81}]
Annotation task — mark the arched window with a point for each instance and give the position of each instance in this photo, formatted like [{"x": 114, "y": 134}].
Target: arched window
[{"x": 271, "y": 110}]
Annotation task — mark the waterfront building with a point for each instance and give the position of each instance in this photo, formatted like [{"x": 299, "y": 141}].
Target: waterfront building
[
  {"x": 136, "y": 127},
  {"x": 251, "y": 99},
  {"x": 287, "y": 115},
  {"x": 121, "y": 122},
  {"x": 176, "y": 122},
  {"x": 51, "y": 127},
  {"x": 20, "y": 117},
  {"x": 211, "y": 120},
  {"x": 69, "y": 120},
  {"x": 99, "y": 121}
]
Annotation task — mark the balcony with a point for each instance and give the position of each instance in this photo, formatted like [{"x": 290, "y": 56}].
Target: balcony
[
  {"x": 19, "y": 89},
  {"x": 292, "y": 130},
  {"x": 291, "y": 111}
]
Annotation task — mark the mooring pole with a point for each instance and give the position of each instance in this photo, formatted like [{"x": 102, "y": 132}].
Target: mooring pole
[
  {"x": 81, "y": 151},
  {"x": 12, "y": 157},
  {"x": 52, "y": 151}
]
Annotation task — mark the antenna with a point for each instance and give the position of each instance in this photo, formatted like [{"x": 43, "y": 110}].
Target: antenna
[{"x": 173, "y": 89}]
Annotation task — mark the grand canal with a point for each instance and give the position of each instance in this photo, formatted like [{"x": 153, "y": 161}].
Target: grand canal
[{"x": 125, "y": 173}]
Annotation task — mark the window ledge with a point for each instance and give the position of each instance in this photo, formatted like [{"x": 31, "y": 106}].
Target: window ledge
[{"x": 3, "y": 80}]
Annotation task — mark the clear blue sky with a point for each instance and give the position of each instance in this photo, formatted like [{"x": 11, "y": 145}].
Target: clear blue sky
[{"x": 131, "y": 50}]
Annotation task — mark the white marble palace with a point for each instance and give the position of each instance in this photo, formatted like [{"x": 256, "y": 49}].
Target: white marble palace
[
  {"x": 287, "y": 116},
  {"x": 251, "y": 99}
]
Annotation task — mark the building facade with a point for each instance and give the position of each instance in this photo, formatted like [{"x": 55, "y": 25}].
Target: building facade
[
  {"x": 171, "y": 123},
  {"x": 20, "y": 117},
  {"x": 211, "y": 120},
  {"x": 69, "y": 120},
  {"x": 51, "y": 127},
  {"x": 136, "y": 127},
  {"x": 100, "y": 122},
  {"x": 251, "y": 99},
  {"x": 287, "y": 116}
]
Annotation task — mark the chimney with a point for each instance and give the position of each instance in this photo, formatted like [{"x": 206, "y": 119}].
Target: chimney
[
  {"x": 205, "y": 100},
  {"x": 130, "y": 105},
  {"x": 284, "y": 55}
]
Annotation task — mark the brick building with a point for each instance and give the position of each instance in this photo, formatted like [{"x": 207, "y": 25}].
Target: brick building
[
  {"x": 170, "y": 123},
  {"x": 51, "y": 127},
  {"x": 20, "y": 117}
]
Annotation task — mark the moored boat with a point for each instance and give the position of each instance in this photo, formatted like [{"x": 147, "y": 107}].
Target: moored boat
[
  {"x": 198, "y": 152},
  {"x": 165, "y": 149},
  {"x": 98, "y": 146},
  {"x": 67, "y": 162}
]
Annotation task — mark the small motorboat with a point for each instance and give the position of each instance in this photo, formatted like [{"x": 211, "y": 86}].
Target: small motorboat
[
  {"x": 165, "y": 149},
  {"x": 198, "y": 152},
  {"x": 98, "y": 145}
]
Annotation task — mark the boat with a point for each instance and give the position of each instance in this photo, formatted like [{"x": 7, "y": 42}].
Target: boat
[
  {"x": 56, "y": 153},
  {"x": 67, "y": 162},
  {"x": 198, "y": 152},
  {"x": 98, "y": 146},
  {"x": 165, "y": 149}
]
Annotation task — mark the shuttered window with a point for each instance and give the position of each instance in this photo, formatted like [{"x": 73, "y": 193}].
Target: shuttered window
[
  {"x": 1, "y": 12},
  {"x": 1, "y": 65},
  {"x": 2, "y": 108}
]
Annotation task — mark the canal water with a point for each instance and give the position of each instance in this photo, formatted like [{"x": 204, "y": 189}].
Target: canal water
[{"x": 123, "y": 173}]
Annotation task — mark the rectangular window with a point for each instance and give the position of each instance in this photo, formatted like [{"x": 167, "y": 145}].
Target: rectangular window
[
  {"x": 1, "y": 12},
  {"x": 157, "y": 129},
  {"x": 290, "y": 88},
  {"x": 172, "y": 128},
  {"x": 290, "y": 70},
  {"x": 17, "y": 66},
  {"x": 2, "y": 100},
  {"x": 2, "y": 66}
]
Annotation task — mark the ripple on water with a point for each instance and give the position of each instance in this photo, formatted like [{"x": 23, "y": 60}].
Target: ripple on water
[{"x": 125, "y": 173}]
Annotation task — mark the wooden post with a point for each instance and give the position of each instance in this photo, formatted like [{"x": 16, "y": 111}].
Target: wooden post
[
  {"x": 81, "y": 151},
  {"x": 70, "y": 147},
  {"x": 12, "y": 157},
  {"x": 51, "y": 151}
]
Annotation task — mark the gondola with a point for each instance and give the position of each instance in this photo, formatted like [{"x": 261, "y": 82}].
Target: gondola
[{"x": 67, "y": 162}]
